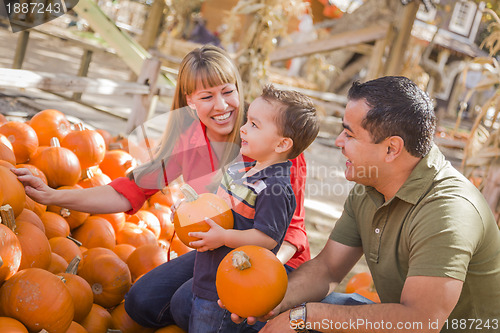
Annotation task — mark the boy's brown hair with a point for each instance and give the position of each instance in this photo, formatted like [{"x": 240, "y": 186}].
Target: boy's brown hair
[{"x": 297, "y": 118}]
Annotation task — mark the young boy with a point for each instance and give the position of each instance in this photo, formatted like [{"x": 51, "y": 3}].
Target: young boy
[{"x": 280, "y": 125}]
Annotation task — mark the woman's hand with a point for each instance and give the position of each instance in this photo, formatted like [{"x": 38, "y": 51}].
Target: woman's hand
[
  {"x": 212, "y": 239},
  {"x": 34, "y": 187}
]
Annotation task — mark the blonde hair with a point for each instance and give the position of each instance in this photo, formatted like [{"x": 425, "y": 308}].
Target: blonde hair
[{"x": 209, "y": 66}]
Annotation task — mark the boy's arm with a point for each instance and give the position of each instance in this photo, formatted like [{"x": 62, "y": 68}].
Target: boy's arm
[{"x": 218, "y": 236}]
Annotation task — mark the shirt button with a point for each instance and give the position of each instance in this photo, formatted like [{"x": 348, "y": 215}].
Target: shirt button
[
  {"x": 232, "y": 187},
  {"x": 377, "y": 230}
]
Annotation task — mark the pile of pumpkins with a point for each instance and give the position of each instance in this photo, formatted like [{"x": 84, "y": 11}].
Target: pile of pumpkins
[{"x": 63, "y": 270}]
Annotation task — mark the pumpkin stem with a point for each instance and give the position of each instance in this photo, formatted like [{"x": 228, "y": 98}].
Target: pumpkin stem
[
  {"x": 79, "y": 127},
  {"x": 241, "y": 260},
  {"x": 8, "y": 218},
  {"x": 76, "y": 241},
  {"x": 189, "y": 193},
  {"x": 54, "y": 142},
  {"x": 73, "y": 265}
]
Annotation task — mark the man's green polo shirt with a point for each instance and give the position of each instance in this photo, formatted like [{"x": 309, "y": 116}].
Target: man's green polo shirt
[{"x": 438, "y": 224}]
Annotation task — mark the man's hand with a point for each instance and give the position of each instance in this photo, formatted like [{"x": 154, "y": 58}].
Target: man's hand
[
  {"x": 212, "y": 239},
  {"x": 250, "y": 320}
]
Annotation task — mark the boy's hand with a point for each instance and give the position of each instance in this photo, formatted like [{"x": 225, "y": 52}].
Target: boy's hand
[{"x": 212, "y": 239}]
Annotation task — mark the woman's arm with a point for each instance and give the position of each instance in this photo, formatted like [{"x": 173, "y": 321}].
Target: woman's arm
[{"x": 94, "y": 200}]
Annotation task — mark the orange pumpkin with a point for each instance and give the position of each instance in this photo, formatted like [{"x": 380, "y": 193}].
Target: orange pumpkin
[
  {"x": 55, "y": 225},
  {"x": 362, "y": 284},
  {"x": 117, "y": 163},
  {"x": 170, "y": 329},
  {"x": 167, "y": 196},
  {"x": 10, "y": 253},
  {"x": 7, "y": 153},
  {"x": 117, "y": 220},
  {"x": 105, "y": 135},
  {"x": 108, "y": 276},
  {"x": 134, "y": 235},
  {"x": 79, "y": 289},
  {"x": 34, "y": 171},
  {"x": 91, "y": 179},
  {"x": 11, "y": 325},
  {"x": 35, "y": 246},
  {"x": 251, "y": 281},
  {"x": 191, "y": 213},
  {"x": 23, "y": 138},
  {"x": 34, "y": 206},
  {"x": 65, "y": 247},
  {"x": 145, "y": 258},
  {"x": 146, "y": 219},
  {"x": 51, "y": 309},
  {"x": 60, "y": 165},
  {"x": 12, "y": 190},
  {"x": 57, "y": 264},
  {"x": 121, "y": 320},
  {"x": 31, "y": 217},
  {"x": 124, "y": 251},
  {"x": 163, "y": 213},
  {"x": 76, "y": 328},
  {"x": 98, "y": 320},
  {"x": 73, "y": 217},
  {"x": 357, "y": 281},
  {"x": 96, "y": 232},
  {"x": 88, "y": 145},
  {"x": 48, "y": 124}
]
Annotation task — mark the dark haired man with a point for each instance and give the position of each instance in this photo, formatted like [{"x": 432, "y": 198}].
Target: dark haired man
[{"x": 429, "y": 237}]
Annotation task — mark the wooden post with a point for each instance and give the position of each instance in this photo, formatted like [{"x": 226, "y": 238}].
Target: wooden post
[
  {"x": 22, "y": 45},
  {"x": 84, "y": 69},
  {"x": 152, "y": 24},
  {"x": 402, "y": 36},
  {"x": 375, "y": 66},
  {"x": 144, "y": 105}
]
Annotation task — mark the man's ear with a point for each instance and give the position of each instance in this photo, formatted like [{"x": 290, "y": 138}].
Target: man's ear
[
  {"x": 190, "y": 103},
  {"x": 284, "y": 145},
  {"x": 395, "y": 146}
]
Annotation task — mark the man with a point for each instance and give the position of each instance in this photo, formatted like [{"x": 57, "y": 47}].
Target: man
[{"x": 429, "y": 237}]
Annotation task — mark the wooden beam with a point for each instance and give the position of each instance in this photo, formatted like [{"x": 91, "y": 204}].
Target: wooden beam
[
  {"x": 403, "y": 29},
  {"x": 341, "y": 40},
  {"x": 22, "y": 45},
  {"x": 130, "y": 51},
  {"x": 84, "y": 69},
  {"x": 18, "y": 78}
]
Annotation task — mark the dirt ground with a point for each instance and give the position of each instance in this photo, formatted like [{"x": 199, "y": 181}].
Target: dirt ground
[{"x": 326, "y": 187}]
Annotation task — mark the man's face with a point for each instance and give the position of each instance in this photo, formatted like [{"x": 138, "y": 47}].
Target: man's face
[{"x": 364, "y": 158}]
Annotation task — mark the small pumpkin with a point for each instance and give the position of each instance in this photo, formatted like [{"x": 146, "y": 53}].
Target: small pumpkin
[
  {"x": 48, "y": 124},
  {"x": 23, "y": 138},
  {"x": 98, "y": 319},
  {"x": 191, "y": 213},
  {"x": 108, "y": 276},
  {"x": 10, "y": 253},
  {"x": 80, "y": 290},
  {"x": 12, "y": 190},
  {"x": 51, "y": 309},
  {"x": 11, "y": 325},
  {"x": 251, "y": 281},
  {"x": 73, "y": 217},
  {"x": 145, "y": 258},
  {"x": 35, "y": 247},
  {"x": 117, "y": 163},
  {"x": 60, "y": 165},
  {"x": 96, "y": 232},
  {"x": 121, "y": 320},
  {"x": 88, "y": 145}
]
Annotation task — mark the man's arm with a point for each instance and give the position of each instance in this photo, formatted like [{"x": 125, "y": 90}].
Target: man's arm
[{"x": 425, "y": 304}]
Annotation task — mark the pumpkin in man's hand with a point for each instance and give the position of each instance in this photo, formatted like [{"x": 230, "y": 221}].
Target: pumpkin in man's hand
[{"x": 251, "y": 281}]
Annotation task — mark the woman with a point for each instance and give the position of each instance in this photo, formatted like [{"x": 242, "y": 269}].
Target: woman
[{"x": 200, "y": 140}]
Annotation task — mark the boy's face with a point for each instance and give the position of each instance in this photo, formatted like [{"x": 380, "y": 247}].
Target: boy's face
[{"x": 260, "y": 136}]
